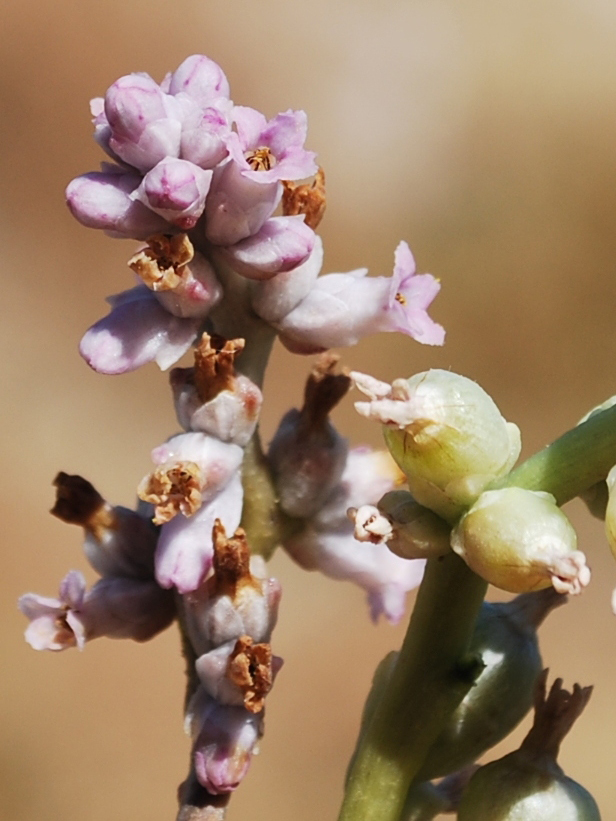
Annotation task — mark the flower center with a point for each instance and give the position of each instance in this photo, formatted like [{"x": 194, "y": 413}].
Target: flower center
[
  {"x": 260, "y": 159},
  {"x": 400, "y": 298}
]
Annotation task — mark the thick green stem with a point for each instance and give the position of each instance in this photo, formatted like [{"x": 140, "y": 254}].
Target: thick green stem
[
  {"x": 430, "y": 679},
  {"x": 572, "y": 463}
]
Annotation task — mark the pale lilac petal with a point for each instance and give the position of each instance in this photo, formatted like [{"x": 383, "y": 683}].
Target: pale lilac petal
[
  {"x": 54, "y": 625},
  {"x": 237, "y": 207},
  {"x": 102, "y": 200},
  {"x": 176, "y": 190},
  {"x": 200, "y": 78},
  {"x": 136, "y": 331},
  {"x": 204, "y": 133},
  {"x": 281, "y": 244},
  {"x": 144, "y": 121},
  {"x": 224, "y": 741},
  {"x": 274, "y": 298},
  {"x": 250, "y": 124},
  {"x": 185, "y": 549}
]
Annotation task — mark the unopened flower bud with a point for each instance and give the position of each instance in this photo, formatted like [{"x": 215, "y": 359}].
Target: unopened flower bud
[
  {"x": 410, "y": 530},
  {"x": 596, "y": 496},
  {"x": 176, "y": 190},
  {"x": 307, "y": 455},
  {"x": 519, "y": 540},
  {"x": 224, "y": 740},
  {"x": 610, "y": 510},
  {"x": 528, "y": 783},
  {"x": 445, "y": 433}
]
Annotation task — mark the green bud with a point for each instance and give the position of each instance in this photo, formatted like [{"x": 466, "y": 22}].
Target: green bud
[
  {"x": 505, "y": 641},
  {"x": 519, "y": 540},
  {"x": 528, "y": 783},
  {"x": 447, "y": 435},
  {"x": 596, "y": 497},
  {"x": 610, "y": 510},
  {"x": 417, "y": 533}
]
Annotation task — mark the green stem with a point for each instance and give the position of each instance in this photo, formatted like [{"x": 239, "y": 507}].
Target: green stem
[
  {"x": 430, "y": 679},
  {"x": 574, "y": 462}
]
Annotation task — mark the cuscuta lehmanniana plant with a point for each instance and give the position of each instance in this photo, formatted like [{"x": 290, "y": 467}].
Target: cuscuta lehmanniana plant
[{"x": 528, "y": 783}]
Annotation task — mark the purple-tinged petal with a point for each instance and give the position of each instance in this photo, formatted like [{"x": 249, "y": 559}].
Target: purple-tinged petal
[
  {"x": 102, "y": 200},
  {"x": 185, "y": 550},
  {"x": 274, "y": 298},
  {"x": 224, "y": 741},
  {"x": 250, "y": 124},
  {"x": 204, "y": 132},
  {"x": 236, "y": 207},
  {"x": 281, "y": 244},
  {"x": 144, "y": 121},
  {"x": 200, "y": 78},
  {"x": 176, "y": 190},
  {"x": 136, "y": 331},
  {"x": 54, "y": 625}
]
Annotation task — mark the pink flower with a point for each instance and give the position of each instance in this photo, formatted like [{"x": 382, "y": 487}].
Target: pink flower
[
  {"x": 271, "y": 151},
  {"x": 175, "y": 190},
  {"x": 342, "y": 308},
  {"x": 56, "y": 624}
]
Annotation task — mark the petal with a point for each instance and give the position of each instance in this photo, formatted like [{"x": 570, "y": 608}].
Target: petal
[
  {"x": 280, "y": 245},
  {"x": 136, "y": 331}
]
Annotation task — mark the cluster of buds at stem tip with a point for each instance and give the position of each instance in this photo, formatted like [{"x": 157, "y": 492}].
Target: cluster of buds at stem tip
[{"x": 200, "y": 180}]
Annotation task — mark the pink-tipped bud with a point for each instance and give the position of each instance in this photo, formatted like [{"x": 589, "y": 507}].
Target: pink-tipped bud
[{"x": 176, "y": 190}]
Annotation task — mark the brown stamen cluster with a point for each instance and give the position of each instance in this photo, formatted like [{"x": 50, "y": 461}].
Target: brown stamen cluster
[
  {"x": 215, "y": 365},
  {"x": 162, "y": 263},
  {"x": 79, "y": 503},
  {"x": 173, "y": 489},
  {"x": 260, "y": 159},
  {"x": 250, "y": 669},
  {"x": 308, "y": 199},
  {"x": 231, "y": 561}
]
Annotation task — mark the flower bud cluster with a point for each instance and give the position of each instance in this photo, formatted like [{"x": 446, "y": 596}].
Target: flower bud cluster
[
  {"x": 451, "y": 442},
  {"x": 200, "y": 179}
]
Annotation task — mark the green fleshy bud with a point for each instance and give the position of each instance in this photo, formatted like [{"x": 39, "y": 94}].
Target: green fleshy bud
[
  {"x": 610, "y": 510},
  {"x": 528, "y": 783},
  {"x": 505, "y": 641},
  {"x": 519, "y": 540},
  {"x": 445, "y": 433},
  {"x": 596, "y": 497},
  {"x": 417, "y": 533}
]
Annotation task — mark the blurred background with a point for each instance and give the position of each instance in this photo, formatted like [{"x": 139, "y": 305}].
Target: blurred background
[{"x": 482, "y": 133}]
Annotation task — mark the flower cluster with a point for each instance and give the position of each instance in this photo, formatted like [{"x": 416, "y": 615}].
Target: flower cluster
[{"x": 200, "y": 180}]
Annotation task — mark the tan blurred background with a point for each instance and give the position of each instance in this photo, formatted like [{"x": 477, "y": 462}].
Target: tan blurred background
[{"x": 484, "y": 134}]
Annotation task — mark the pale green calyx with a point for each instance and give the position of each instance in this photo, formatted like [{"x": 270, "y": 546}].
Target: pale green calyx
[
  {"x": 445, "y": 433},
  {"x": 519, "y": 540}
]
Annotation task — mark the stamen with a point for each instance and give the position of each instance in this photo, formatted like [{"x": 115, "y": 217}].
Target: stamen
[
  {"x": 400, "y": 298},
  {"x": 173, "y": 489},
  {"x": 161, "y": 264},
  {"x": 260, "y": 159}
]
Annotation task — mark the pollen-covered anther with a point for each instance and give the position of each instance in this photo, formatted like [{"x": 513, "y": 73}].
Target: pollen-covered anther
[
  {"x": 400, "y": 298},
  {"x": 214, "y": 365},
  {"x": 231, "y": 560},
  {"x": 324, "y": 390},
  {"x": 162, "y": 263},
  {"x": 308, "y": 199},
  {"x": 172, "y": 488},
  {"x": 370, "y": 524},
  {"x": 250, "y": 669},
  {"x": 260, "y": 159},
  {"x": 79, "y": 503}
]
